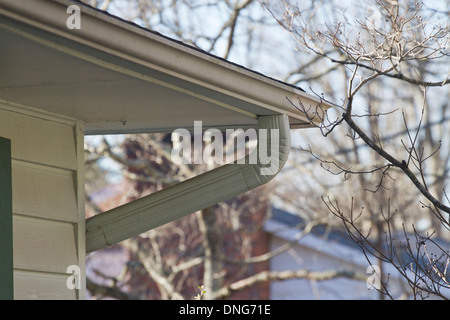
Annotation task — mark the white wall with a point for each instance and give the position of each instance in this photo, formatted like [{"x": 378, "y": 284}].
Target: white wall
[{"x": 48, "y": 201}]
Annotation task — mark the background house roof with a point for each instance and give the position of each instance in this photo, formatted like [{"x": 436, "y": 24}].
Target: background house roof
[
  {"x": 118, "y": 77},
  {"x": 325, "y": 232}
]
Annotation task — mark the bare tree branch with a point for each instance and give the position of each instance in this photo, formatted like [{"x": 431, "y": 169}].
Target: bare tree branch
[{"x": 289, "y": 274}]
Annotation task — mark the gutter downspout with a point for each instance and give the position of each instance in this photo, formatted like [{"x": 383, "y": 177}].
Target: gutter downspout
[{"x": 186, "y": 197}]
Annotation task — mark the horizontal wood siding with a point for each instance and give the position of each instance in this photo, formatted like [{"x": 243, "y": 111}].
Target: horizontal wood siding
[
  {"x": 48, "y": 221},
  {"x": 43, "y": 245},
  {"x": 43, "y": 191},
  {"x": 39, "y": 140},
  {"x": 30, "y": 285}
]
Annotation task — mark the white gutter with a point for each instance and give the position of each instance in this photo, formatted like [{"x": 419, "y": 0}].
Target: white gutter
[{"x": 191, "y": 195}]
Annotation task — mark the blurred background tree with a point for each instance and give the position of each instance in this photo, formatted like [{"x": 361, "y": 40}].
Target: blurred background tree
[
  {"x": 379, "y": 170},
  {"x": 384, "y": 65}
]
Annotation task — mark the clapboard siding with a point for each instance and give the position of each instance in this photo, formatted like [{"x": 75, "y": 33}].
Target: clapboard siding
[
  {"x": 48, "y": 213},
  {"x": 30, "y": 285},
  {"x": 36, "y": 139},
  {"x": 43, "y": 191},
  {"x": 43, "y": 245}
]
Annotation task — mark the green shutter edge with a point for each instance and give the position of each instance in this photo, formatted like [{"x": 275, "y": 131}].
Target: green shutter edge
[{"x": 6, "y": 227}]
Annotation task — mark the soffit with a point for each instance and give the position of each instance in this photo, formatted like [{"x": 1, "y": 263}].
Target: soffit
[{"x": 107, "y": 101}]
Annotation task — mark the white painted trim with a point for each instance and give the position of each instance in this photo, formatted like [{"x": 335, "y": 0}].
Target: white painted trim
[
  {"x": 81, "y": 224},
  {"x": 36, "y": 112}
]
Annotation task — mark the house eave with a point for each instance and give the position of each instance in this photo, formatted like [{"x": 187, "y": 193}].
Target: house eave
[{"x": 140, "y": 55}]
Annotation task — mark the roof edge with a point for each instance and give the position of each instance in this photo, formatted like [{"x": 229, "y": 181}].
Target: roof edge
[{"x": 128, "y": 41}]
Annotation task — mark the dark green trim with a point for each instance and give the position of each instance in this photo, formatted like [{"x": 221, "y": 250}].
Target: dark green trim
[{"x": 6, "y": 228}]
